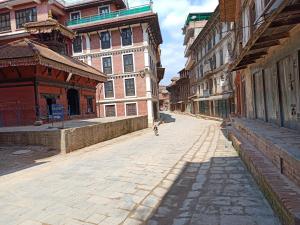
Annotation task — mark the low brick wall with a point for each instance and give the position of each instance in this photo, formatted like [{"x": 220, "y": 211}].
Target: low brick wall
[{"x": 72, "y": 139}]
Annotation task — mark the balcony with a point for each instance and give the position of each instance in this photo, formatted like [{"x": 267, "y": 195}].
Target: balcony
[{"x": 111, "y": 15}]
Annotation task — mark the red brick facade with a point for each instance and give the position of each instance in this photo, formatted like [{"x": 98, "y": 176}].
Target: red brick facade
[{"x": 146, "y": 39}]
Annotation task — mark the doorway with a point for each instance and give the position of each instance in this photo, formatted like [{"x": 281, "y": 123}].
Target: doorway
[
  {"x": 50, "y": 101},
  {"x": 73, "y": 102}
]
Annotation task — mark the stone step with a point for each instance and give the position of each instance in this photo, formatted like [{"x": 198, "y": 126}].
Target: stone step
[
  {"x": 280, "y": 145},
  {"x": 282, "y": 194}
]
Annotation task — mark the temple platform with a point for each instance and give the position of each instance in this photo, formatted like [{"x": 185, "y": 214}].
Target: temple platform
[{"x": 72, "y": 135}]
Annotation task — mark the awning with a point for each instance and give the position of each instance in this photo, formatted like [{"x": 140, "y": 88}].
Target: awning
[
  {"x": 216, "y": 97},
  {"x": 220, "y": 97}
]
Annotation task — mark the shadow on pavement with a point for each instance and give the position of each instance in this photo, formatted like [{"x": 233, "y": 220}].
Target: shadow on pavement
[
  {"x": 167, "y": 118},
  {"x": 219, "y": 191},
  {"x": 15, "y": 158}
]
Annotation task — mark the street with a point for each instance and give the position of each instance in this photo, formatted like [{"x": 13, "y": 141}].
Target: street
[{"x": 189, "y": 174}]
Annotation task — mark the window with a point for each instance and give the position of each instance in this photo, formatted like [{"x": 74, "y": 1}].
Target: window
[
  {"x": 5, "y": 22},
  {"x": 131, "y": 109},
  {"x": 201, "y": 70},
  {"x": 103, "y": 10},
  {"x": 221, "y": 31},
  {"x": 105, "y": 40},
  {"x": 24, "y": 16},
  {"x": 77, "y": 44},
  {"x": 75, "y": 16},
  {"x": 90, "y": 104},
  {"x": 209, "y": 45},
  {"x": 109, "y": 89},
  {"x": 221, "y": 57},
  {"x": 110, "y": 110},
  {"x": 129, "y": 87},
  {"x": 126, "y": 35},
  {"x": 128, "y": 63},
  {"x": 107, "y": 65},
  {"x": 214, "y": 60}
]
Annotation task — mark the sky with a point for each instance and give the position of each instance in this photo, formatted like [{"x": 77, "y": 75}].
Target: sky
[{"x": 172, "y": 15}]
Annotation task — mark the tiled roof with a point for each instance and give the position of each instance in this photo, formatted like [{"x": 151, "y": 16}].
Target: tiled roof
[
  {"x": 47, "y": 26},
  {"x": 28, "y": 52}
]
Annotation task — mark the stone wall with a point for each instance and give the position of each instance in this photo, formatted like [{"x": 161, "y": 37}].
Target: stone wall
[
  {"x": 51, "y": 139},
  {"x": 72, "y": 139},
  {"x": 85, "y": 136}
]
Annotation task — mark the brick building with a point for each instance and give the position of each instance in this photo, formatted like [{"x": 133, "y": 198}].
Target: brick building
[
  {"x": 37, "y": 71},
  {"x": 268, "y": 68},
  {"x": 173, "y": 89},
  {"x": 266, "y": 59},
  {"x": 179, "y": 92},
  {"x": 122, "y": 42}
]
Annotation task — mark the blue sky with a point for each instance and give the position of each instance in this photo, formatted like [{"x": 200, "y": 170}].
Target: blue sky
[{"x": 172, "y": 15}]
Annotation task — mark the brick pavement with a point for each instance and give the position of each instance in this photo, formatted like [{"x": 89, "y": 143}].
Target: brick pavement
[{"x": 191, "y": 177}]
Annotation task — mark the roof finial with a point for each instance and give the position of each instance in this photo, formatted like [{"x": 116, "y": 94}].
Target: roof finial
[{"x": 50, "y": 14}]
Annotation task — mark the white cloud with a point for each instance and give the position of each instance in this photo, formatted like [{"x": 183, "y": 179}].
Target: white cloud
[{"x": 172, "y": 14}]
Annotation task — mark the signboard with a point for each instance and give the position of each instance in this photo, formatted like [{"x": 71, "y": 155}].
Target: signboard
[{"x": 57, "y": 112}]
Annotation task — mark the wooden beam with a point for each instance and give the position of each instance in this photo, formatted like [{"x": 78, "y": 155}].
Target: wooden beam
[
  {"x": 246, "y": 63},
  {"x": 292, "y": 8},
  {"x": 265, "y": 44},
  {"x": 239, "y": 68},
  {"x": 256, "y": 55},
  {"x": 273, "y": 37},
  {"x": 285, "y": 22}
]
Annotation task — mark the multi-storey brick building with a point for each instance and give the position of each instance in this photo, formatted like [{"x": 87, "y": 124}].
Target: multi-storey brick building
[
  {"x": 179, "y": 92},
  {"x": 211, "y": 52},
  {"x": 122, "y": 42},
  {"x": 173, "y": 89}
]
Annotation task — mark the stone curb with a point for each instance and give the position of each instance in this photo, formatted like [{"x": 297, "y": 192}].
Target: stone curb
[{"x": 283, "y": 195}]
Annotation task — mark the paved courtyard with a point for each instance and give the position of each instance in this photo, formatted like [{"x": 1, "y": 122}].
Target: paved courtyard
[{"x": 189, "y": 174}]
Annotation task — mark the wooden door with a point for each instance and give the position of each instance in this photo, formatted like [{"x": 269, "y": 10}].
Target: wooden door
[
  {"x": 259, "y": 101},
  {"x": 288, "y": 73}
]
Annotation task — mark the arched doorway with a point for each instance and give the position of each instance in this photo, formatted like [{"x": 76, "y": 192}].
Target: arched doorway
[{"x": 73, "y": 102}]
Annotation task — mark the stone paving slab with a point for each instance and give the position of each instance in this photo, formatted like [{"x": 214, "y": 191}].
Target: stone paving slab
[
  {"x": 126, "y": 182},
  {"x": 215, "y": 188}
]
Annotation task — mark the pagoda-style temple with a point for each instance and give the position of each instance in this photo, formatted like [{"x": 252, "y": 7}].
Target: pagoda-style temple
[{"x": 37, "y": 73}]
